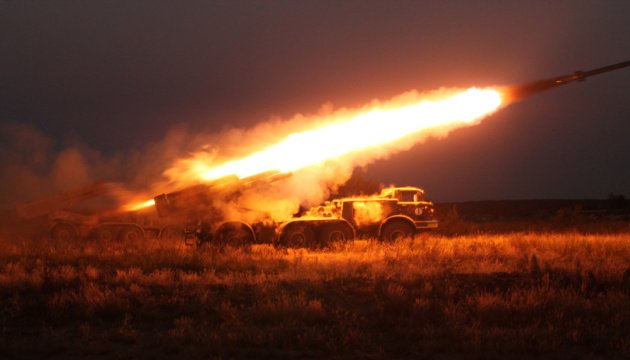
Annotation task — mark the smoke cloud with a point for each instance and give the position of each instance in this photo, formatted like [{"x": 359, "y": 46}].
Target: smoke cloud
[{"x": 35, "y": 165}]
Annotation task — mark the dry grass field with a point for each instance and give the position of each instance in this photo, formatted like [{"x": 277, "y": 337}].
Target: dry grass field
[{"x": 490, "y": 296}]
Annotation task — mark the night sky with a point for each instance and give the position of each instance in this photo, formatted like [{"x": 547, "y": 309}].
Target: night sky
[{"x": 115, "y": 78}]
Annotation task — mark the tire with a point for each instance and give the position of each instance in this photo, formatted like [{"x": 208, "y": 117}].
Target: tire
[
  {"x": 235, "y": 234},
  {"x": 335, "y": 232},
  {"x": 297, "y": 235},
  {"x": 64, "y": 232},
  {"x": 130, "y": 233},
  {"x": 171, "y": 232},
  {"x": 396, "y": 230},
  {"x": 104, "y": 233},
  {"x": 151, "y": 233}
]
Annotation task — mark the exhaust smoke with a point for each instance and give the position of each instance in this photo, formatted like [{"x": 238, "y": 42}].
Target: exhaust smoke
[{"x": 327, "y": 146}]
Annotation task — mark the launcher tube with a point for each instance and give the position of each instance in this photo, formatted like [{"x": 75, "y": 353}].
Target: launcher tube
[{"x": 521, "y": 91}]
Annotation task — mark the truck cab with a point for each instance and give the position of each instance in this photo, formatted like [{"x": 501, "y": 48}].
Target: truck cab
[
  {"x": 412, "y": 203},
  {"x": 394, "y": 213}
]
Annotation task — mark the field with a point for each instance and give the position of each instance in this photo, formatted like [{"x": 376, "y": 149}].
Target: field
[{"x": 514, "y": 294}]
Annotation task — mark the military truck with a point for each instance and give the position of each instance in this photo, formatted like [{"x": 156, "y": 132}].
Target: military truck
[
  {"x": 394, "y": 213},
  {"x": 210, "y": 213}
]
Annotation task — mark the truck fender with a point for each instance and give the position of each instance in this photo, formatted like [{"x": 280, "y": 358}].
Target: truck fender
[{"x": 282, "y": 226}]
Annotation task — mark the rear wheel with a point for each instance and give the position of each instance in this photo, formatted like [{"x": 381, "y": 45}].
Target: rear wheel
[
  {"x": 396, "y": 230},
  {"x": 64, "y": 232},
  {"x": 297, "y": 235},
  {"x": 131, "y": 233},
  {"x": 104, "y": 233},
  {"x": 171, "y": 232},
  {"x": 235, "y": 234},
  {"x": 335, "y": 232}
]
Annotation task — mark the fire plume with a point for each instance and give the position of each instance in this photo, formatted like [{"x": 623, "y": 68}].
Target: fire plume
[
  {"x": 139, "y": 205},
  {"x": 368, "y": 133},
  {"x": 375, "y": 127}
]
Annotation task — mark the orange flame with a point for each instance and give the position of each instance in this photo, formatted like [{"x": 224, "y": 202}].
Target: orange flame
[
  {"x": 368, "y": 212},
  {"x": 366, "y": 130},
  {"x": 139, "y": 205}
]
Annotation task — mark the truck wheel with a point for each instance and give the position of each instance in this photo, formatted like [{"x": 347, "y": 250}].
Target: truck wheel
[
  {"x": 130, "y": 233},
  {"x": 104, "y": 233},
  {"x": 396, "y": 230},
  {"x": 171, "y": 232},
  {"x": 64, "y": 232},
  {"x": 234, "y": 234},
  {"x": 297, "y": 235},
  {"x": 335, "y": 232}
]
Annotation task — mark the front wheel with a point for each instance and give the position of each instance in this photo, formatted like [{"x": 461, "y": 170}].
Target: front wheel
[
  {"x": 396, "y": 230},
  {"x": 235, "y": 234}
]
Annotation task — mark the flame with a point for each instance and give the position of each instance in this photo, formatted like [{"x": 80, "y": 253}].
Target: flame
[
  {"x": 368, "y": 212},
  {"x": 139, "y": 205},
  {"x": 367, "y": 131}
]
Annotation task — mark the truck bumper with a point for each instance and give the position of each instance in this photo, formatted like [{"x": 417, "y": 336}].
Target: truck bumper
[{"x": 426, "y": 224}]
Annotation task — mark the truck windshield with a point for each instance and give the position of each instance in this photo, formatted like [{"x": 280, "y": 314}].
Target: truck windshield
[{"x": 408, "y": 196}]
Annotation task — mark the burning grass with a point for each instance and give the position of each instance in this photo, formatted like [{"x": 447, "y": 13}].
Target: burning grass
[{"x": 517, "y": 294}]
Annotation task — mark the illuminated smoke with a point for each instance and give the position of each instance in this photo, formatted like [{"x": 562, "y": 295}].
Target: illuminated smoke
[
  {"x": 370, "y": 132},
  {"x": 322, "y": 150}
]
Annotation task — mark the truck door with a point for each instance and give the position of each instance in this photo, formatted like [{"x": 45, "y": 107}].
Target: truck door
[{"x": 347, "y": 212}]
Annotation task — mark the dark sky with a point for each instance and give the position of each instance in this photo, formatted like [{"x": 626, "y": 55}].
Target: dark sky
[{"x": 116, "y": 76}]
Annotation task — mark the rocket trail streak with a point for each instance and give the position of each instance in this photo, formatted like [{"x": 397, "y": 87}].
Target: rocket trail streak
[
  {"x": 139, "y": 205},
  {"x": 362, "y": 132},
  {"x": 367, "y": 134}
]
